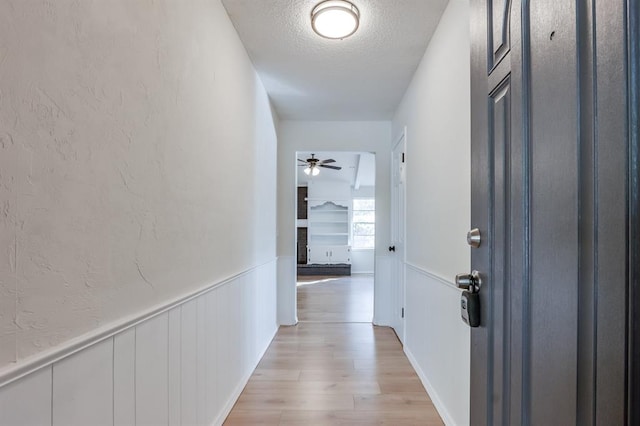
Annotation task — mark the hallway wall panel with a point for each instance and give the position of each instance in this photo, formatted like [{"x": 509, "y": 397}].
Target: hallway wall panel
[
  {"x": 131, "y": 135},
  {"x": 77, "y": 400},
  {"x": 382, "y": 310},
  {"x": 124, "y": 378},
  {"x": 436, "y": 112},
  {"x": 152, "y": 373},
  {"x": 437, "y": 342},
  {"x": 28, "y": 401},
  {"x": 186, "y": 365}
]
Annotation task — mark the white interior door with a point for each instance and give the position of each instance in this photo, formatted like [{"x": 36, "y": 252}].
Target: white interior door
[{"x": 397, "y": 248}]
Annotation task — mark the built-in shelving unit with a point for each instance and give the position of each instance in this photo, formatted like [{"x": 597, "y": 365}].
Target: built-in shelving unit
[
  {"x": 328, "y": 234},
  {"x": 328, "y": 224}
]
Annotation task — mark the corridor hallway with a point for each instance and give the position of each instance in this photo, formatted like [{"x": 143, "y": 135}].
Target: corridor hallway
[{"x": 334, "y": 373}]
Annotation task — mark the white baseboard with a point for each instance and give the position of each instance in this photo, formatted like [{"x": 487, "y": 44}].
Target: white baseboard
[
  {"x": 226, "y": 410},
  {"x": 433, "y": 394}
]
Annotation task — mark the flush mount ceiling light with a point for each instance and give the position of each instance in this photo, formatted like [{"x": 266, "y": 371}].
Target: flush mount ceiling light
[{"x": 335, "y": 19}]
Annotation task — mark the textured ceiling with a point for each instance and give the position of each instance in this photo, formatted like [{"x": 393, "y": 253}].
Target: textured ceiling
[{"x": 311, "y": 78}]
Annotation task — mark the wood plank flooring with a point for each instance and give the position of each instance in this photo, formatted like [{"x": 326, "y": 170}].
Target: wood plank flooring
[
  {"x": 334, "y": 374},
  {"x": 335, "y": 299},
  {"x": 336, "y": 368}
]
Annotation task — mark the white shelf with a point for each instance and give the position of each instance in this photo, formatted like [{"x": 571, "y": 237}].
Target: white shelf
[
  {"x": 328, "y": 232},
  {"x": 318, "y": 222}
]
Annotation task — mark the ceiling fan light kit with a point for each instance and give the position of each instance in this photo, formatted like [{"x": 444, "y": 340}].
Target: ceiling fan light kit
[
  {"x": 312, "y": 165},
  {"x": 312, "y": 170},
  {"x": 335, "y": 19}
]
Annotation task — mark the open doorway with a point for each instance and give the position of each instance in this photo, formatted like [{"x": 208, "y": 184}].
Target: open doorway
[{"x": 335, "y": 236}]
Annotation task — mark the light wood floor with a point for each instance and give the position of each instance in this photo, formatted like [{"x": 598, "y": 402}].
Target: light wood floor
[
  {"x": 335, "y": 299},
  {"x": 334, "y": 373}
]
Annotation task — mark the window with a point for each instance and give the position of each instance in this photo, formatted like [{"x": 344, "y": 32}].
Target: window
[{"x": 364, "y": 223}]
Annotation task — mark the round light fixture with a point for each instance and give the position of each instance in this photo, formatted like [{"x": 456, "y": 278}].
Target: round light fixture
[{"x": 335, "y": 19}]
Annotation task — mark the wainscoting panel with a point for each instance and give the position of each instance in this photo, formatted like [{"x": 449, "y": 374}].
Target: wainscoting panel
[
  {"x": 175, "y": 349},
  {"x": 124, "y": 379},
  {"x": 287, "y": 290},
  {"x": 83, "y": 387},
  {"x": 226, "y": 366},
  {"x": 383, "y": 297},
  {"x": 27, "y": 401},
  {"x": 437, "y": 342},
  {"x": 184, "y": 364},
  {"x": 189, "y": 357},
  {"x": 152, "y": 385},
  {"x": 201, "y": 360},
  {"x": 213, "y": 323}
]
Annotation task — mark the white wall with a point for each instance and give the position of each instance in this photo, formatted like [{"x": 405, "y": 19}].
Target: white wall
[
  {"x": 436, "y": 111},
  {"x": 351, "y": 136},
  {"x": 362, "y": 261},
  {"x": 130, "y": 135}
]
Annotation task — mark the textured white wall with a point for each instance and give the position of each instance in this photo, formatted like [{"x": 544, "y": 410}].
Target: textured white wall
[
  {"x": 436, "y": 111},
  {"x": 130, "y": 132}
]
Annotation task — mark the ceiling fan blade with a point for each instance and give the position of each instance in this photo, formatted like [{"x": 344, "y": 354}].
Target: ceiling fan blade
[
  {"x": 331, "y": 167},
  {"x": 302, "y": 161},
  {"x": 330, "y": 160}
]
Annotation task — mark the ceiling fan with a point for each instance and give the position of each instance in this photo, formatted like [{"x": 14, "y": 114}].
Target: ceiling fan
[{"x": 312, "y": 165}]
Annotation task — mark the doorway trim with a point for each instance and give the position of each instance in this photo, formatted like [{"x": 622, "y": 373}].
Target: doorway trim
[
  {"x": 398, "y": 236},
  {"x": 293, "y": 292}
]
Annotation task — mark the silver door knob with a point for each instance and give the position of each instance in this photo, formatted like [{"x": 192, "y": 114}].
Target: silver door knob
[
  {"x": 474, "y": 238},
  {"x": 471, "y": 282}
]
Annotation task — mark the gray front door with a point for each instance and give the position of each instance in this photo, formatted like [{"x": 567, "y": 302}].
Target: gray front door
[{"x": 550, "y": 188}]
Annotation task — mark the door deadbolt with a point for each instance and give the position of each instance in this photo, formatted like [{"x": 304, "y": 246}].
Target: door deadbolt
[
  {"x": 471, "y": 282},
  {"x": 474, "y": 238}
]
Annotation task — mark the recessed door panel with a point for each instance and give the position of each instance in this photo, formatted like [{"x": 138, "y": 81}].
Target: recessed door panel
[
  {"x": 498, "y": 31},
  {"x": 499, "y": 322}
]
